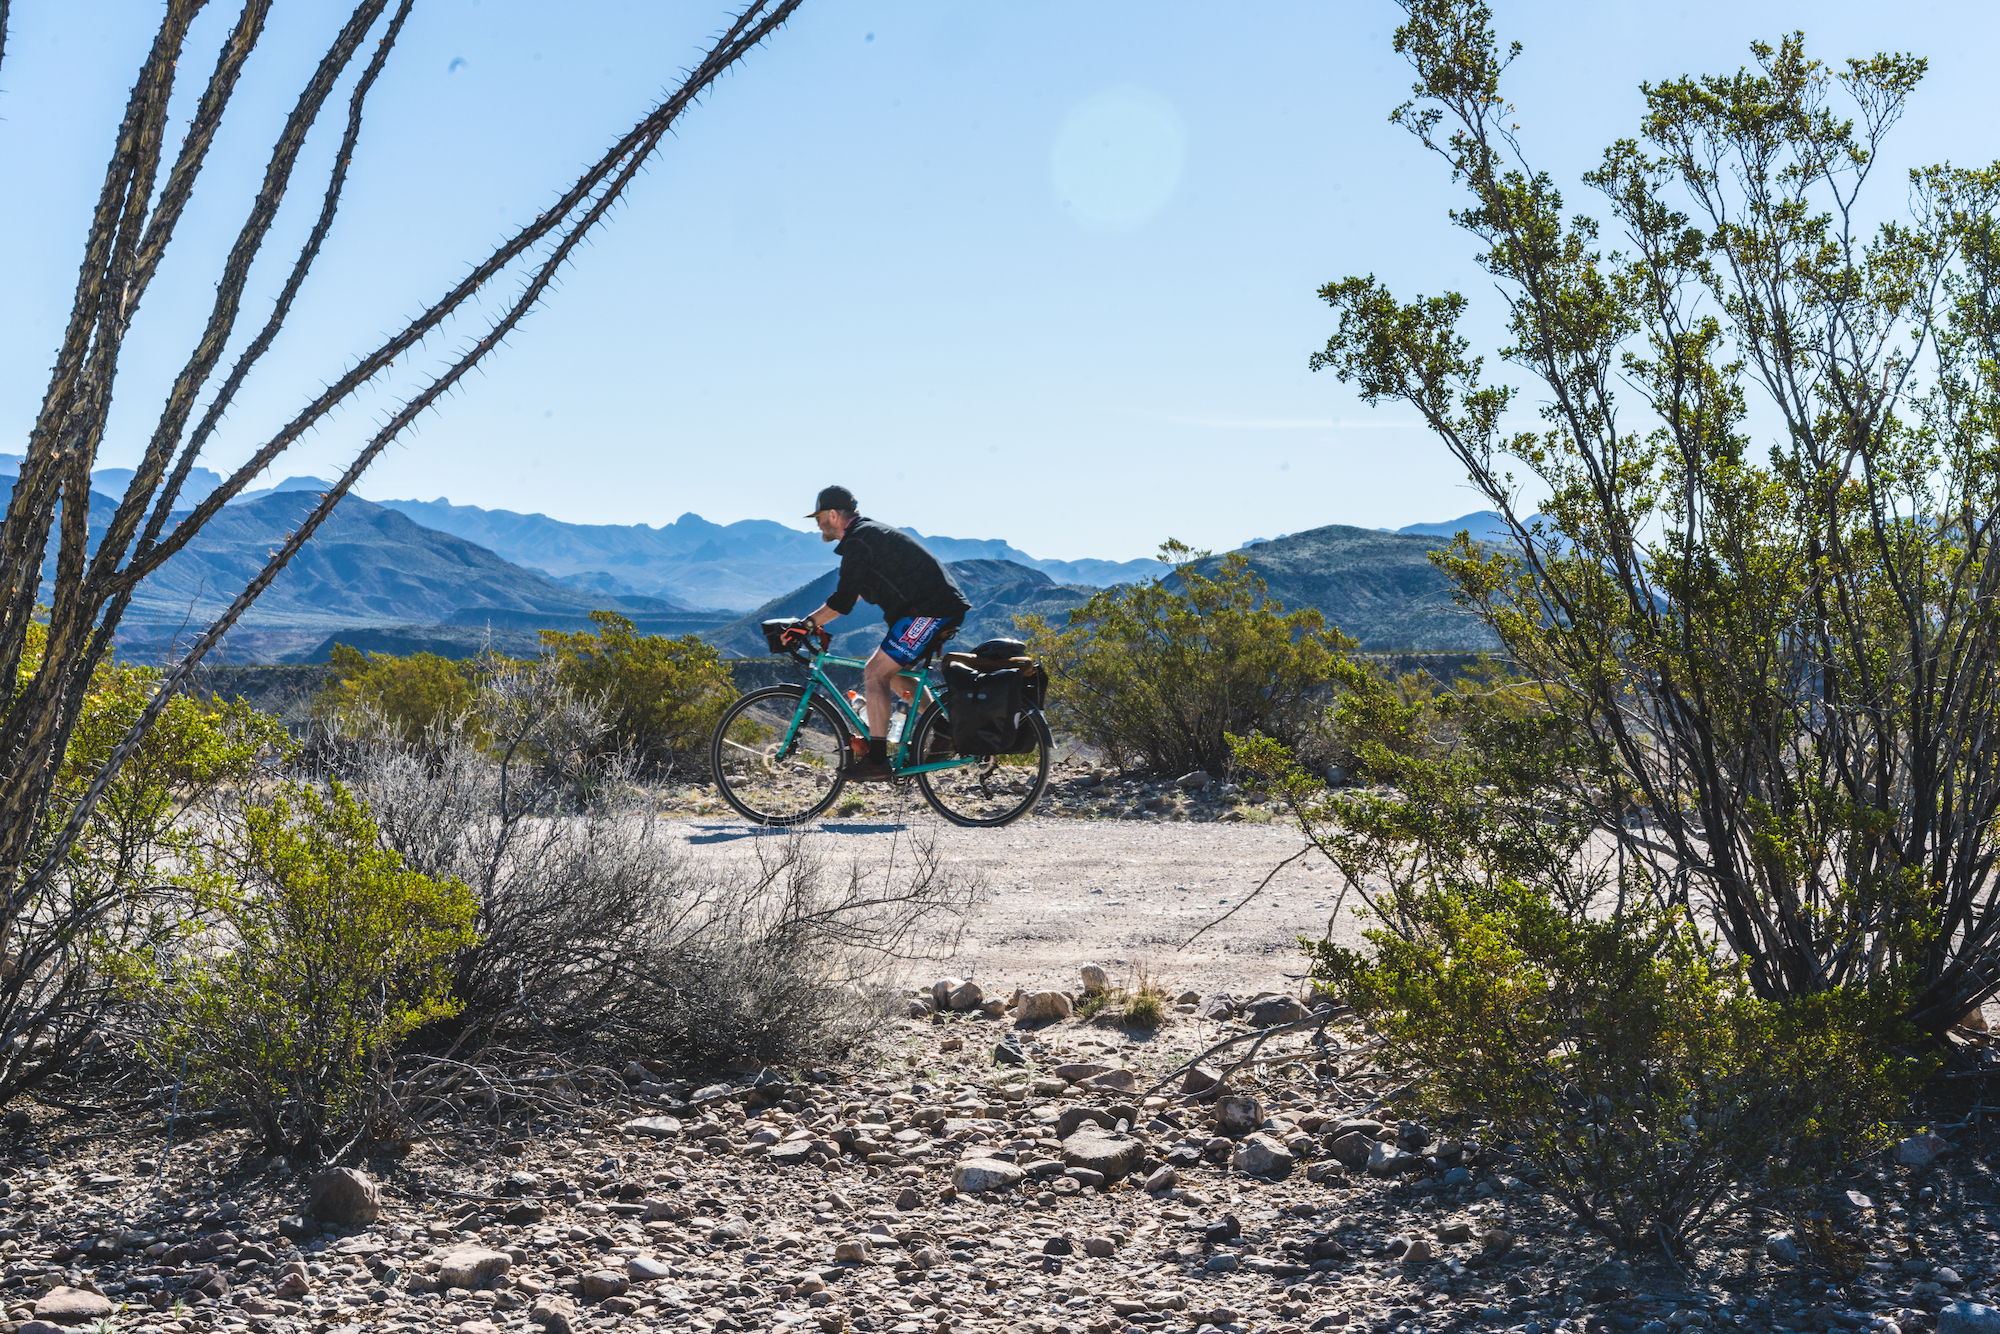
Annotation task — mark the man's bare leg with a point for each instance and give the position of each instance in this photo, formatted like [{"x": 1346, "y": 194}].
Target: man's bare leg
[{"x": 877, "y": 679}]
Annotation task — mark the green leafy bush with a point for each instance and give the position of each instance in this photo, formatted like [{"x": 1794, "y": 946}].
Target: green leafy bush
[
  {"x": 112, "y": 891},
  {"x": 315, "y": 953},
  {"x": 661, "y": 697},
  {"x": 1620, "y": 1047},
  {"x": 411, "y": 692},
  {"x": 1624, "y": 1057},
  {"x": 1159, "y": 673}
]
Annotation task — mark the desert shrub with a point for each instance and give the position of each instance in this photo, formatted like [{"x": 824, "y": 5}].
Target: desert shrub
[
  {"x": 1160, "y": 673},
  {"x": 113, "y": 891},
  {"x": 412, "y": 691},
  {"x": 317, "y": 950},
  {"x": 596, "y": 924},
  {"x": 1626, "y": 1059},
  {"x": 1759, "y": 575},
  {"x": 661, "y": 697},
  {"x": 1615, "y": 1041}
]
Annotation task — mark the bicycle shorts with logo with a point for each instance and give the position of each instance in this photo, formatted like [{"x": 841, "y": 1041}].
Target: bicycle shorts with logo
[{"x": 910, "y": 637}]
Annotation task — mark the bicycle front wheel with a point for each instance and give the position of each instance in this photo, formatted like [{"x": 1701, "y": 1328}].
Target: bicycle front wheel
[
  {"x": 987, "y": 791},
  {"x": 766, "y": 780}
]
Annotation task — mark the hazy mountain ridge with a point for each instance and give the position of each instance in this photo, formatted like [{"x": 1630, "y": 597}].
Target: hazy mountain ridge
[
  {"x": 1376, "y": 586},
  {"x": 705, "y": 564},
  {"x": 366, "y": 566}
]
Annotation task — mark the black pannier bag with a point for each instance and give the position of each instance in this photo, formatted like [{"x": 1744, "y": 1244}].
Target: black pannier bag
[{"x": 992, "y": 700}]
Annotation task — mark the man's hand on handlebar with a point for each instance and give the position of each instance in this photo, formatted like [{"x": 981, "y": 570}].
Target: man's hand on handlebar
[{"x": 801, "y": 634}]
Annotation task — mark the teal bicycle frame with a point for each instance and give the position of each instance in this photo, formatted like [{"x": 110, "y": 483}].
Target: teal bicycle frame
[{"x": 922, "y": 698}]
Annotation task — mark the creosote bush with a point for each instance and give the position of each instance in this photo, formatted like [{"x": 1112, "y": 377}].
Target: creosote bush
[
  {"x": 316, "y": 950},
  {"x": 1159, "y": 673},
  {"x": 660, "y": 697},
  {"x": 1626, "y": 1058},
  {"x": 1617, "y": 1042},
  {"x": 411, "y": 691},
  {"x": 113, "y": 892}
]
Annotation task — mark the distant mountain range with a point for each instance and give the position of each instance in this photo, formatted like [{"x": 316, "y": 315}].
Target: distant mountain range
[
  {"x": 404, "y": 575},
  {"x": 703, "y": 564}
]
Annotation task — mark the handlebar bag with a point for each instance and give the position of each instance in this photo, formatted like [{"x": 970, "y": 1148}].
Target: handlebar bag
[{"x": 774, "y": 633}]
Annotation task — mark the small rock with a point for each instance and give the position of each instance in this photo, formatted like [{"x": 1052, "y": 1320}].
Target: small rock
[
  {"x": 1163, "y": 1179},
  {"x": 1200, "y": 1079},
  {"x": 1007, "y": 1051},
  {"x": 1078, "y": 1071},
  {"x": 343, "y": 1197},
  {"x": 1352, "y": 1148},
  {"x": 1194, "y": 782},
  {"x": 1104, "y": 1151},
  {"x": 645, "y": 1269},
  {"x": 297, "y": 1228},
  {"x": 1458, "y": 1231},
  {"x": 1224, "y": 1263},
  {"x": 1921, "y": 1150},
  {"x": 1780, "y": 1247},
  {"x": 1261, "y": 1155},
  {"x": 1419, "y": 1252},
  {"x": 977, "y": 1176},
  {"x": 1039, "y": 1007},
  {"x": 471, "y": 1266},
  {"x": 1114, "y": 1081},
  {"x": 856, "y": 1252},
  {"x": 1968, "y": 1318},
  {"x": 1084, "y": 1177},
  {"x": 556, "y": 1315},
  {"x": 1058, "y": 1246},
  {"x": 1095, "y": 980},
  {"x": 1948, "y": 1276},
  {"x": 967, "y": 996},
  {"x": 601, "y": 1283},
  {"x": 993, "y": 1008},
  {"x": 72, "y": 1306},
  {"x": 1099, "y": 1248},
  {"x": 653, "y": 1127},
  {"x": 1274, "y": 1010},
  {"x": 921, "y": 1007},
  {"x": 1237, "y": 1114},
  {"x": 40, "y": 1327},
  {"x": 941, "y": 991},
  {"x": 908, "y": 1198},
  {"x": 1386, "y": 1160}
]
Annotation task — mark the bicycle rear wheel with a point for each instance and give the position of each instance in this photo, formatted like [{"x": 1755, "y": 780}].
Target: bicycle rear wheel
[
  {"x": 766, "y": 781},
  {"x": 989, "y": 791}
]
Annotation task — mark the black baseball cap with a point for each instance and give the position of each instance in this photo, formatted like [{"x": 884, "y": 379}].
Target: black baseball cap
[{"x": 834, "y": 498}]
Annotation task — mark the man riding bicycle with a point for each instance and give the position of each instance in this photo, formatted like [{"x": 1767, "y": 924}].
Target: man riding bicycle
[{"x": 920, "y": 601}]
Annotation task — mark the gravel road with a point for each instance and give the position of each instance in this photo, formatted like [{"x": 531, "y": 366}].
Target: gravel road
[{"x": 1125, "y": 894}]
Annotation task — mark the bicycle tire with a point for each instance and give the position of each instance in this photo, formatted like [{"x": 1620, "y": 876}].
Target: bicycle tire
[
  {"x": 750, "y": 781},
  {"x": 971, "y": 796}
]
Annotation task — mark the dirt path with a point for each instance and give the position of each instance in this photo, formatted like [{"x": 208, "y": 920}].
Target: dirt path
[{"x": 1123, "y": 894}]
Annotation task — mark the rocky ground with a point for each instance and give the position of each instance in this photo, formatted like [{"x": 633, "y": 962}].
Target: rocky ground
[{"x": 943, "y": 1189}]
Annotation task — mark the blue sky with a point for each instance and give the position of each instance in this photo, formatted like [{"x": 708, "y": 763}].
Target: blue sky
[{"x": 1027, "y": 270}]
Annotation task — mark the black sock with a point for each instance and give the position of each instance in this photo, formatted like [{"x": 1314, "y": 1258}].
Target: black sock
[{"x": 878, "y": 748}]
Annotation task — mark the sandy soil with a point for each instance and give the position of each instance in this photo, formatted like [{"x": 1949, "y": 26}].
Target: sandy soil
[{"x": 1124, "y": 894}]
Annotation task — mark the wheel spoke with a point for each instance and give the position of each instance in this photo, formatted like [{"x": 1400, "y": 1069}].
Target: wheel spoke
[{"x": 774, "y": 783}]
